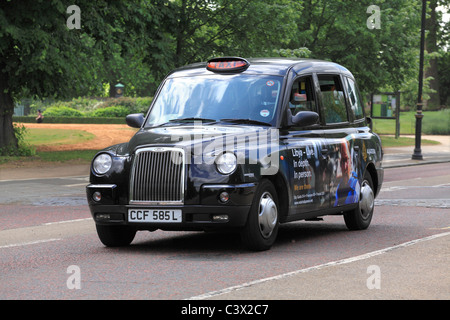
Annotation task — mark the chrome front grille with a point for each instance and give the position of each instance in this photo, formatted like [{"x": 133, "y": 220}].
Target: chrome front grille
[{"x": 157, "y": 176}]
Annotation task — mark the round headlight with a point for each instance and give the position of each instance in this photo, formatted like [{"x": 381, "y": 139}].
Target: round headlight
[
  {"x": 102, "y": 163},
  {"x": 226, "y": 163}
]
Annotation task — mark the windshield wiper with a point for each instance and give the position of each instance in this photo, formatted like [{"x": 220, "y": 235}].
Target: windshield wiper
[
  {"x": 182, "y": 120},
  {"x": 247, "y": 121},
  {"x": 192, "y": 119}
]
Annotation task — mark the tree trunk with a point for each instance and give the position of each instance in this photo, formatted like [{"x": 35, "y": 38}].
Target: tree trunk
[
  {"x": 112, "y": 89},
  {"x": 7, "y": 137},
  {"x": 432, "y": 25}
]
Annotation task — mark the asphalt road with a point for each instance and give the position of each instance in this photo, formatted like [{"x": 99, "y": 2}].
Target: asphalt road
[{"x": 49, "y": 250}]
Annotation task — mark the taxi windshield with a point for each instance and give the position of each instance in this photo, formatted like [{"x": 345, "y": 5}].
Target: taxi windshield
[{"x": 250, "y": 99}]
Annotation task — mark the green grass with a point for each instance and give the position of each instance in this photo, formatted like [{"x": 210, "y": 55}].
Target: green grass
[
  {"x": 35, "y": 137},
  {"x": 433, "y": 122},
  {"x": 43, "y": 136},
  {"x": 76, "y": 156},
  {"x": 390, "y": 141},
  {"x": 63, "y": 156}
]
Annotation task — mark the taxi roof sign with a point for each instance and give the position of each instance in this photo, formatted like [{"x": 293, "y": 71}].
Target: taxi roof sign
[{"x": 227, "y": 64}]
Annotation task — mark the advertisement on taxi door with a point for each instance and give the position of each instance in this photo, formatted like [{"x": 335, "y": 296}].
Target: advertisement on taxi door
[{"x": 323, "y": 179}]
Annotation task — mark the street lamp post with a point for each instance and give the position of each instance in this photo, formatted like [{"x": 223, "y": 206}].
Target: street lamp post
[{"x": 417, "y": 155}]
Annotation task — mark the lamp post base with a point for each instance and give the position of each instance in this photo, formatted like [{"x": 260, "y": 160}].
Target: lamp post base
[{"x": 417, "y": 155}]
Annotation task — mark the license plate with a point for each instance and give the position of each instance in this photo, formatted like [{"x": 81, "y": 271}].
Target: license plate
[{"x": 154, "y": 215}]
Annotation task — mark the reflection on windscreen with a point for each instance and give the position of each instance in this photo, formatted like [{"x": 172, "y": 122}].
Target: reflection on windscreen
[{"x": 217, "y": 97}]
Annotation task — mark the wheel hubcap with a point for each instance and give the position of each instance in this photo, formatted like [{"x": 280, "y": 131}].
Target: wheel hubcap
[
  {"x": 267, "y": 215},
  {"x": 367, "y": 200}
]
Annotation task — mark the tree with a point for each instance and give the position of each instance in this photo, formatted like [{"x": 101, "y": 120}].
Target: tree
[
  {"x": 34, "y": 44},
  {"x": 337, "y": 31},
  {"x": 196, "y": 30},
  {"x": 41, "y": 56}
]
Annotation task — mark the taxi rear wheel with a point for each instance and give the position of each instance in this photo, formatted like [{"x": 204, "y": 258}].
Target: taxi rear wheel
[
  {"x": 361, "y": 216},
  {"x": 115, "y": 236},
  {"x": 262, "y": 224}
]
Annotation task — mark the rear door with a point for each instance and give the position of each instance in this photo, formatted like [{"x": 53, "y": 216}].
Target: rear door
[
  {"x": 342, "y": 153},
  {"x": 307, "y": 164}
]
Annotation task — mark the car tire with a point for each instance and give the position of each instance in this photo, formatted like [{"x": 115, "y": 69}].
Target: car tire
[
  {"x": 361, "y": 216},
  {"x": 115, "y": 236},
  {"x": 262, "y": 224}
]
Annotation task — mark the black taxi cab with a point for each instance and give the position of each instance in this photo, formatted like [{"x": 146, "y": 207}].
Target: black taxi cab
[{"x": 241, "y": 144}]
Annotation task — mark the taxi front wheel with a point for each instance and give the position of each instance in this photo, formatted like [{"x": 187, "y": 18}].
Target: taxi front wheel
[
  {"x": 262, "y": 224},
  {"x": 361, "y": 216},
  {"x": 115, "y": 236}
]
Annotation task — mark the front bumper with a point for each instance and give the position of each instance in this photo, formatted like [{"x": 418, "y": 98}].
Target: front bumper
[{"x": 202, "y": 216}]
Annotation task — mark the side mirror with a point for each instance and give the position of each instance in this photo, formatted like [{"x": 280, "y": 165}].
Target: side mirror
[
  {"x": 135, "y": 120},
  {"x": 304, "y": 119}
]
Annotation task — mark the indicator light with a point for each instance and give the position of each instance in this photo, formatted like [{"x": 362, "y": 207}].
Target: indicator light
[
  {"x": 224, "y": 197},
  {"x": 97, "y": 196}
]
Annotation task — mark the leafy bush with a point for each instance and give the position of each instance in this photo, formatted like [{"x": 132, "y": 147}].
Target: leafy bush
[
  {"x": 62, "y": 111},
  {"x": 23, "y": 149},
  {"x": 113, "y": 111},
  {"x": 82, "y": 104},
  {"x": 92, "y": 120},
  {"x": 122, "y": 101},
  {"x": 86, "y": 106},
  {"x": 143, "y": 104},
  {"x": 133, "y": 105}
]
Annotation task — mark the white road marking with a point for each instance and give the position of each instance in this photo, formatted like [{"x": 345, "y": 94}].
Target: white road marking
[
  {"x": 81, "y": 178},
  {"x": 65, "y": 221},
  {"x": 28, "y": 243},
  {"x": 318, "y": 267},
  {"x": 76, "y": 185}
]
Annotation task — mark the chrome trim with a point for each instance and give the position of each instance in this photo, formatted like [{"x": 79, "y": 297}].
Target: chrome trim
[
  {"x": 101, "y": 186},
  {"x": 157, "y": 171},
  {"x": 228, "y": 186}
]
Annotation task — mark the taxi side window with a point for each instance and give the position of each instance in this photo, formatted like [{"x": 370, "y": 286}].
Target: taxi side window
[
  {"x": 302, "y": 96},
  {"x": 355, "y": 100},
  {"x": 333, "y": 99}
]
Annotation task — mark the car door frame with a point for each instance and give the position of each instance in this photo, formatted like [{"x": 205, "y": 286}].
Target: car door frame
[
  {"x": 342, "y": 144},
  {"x": 308, "y": 193}
]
